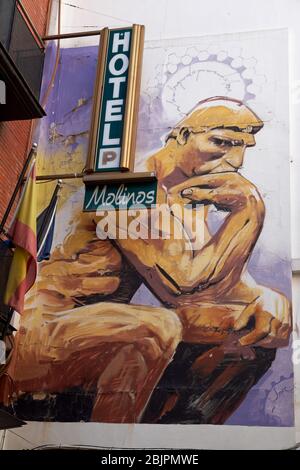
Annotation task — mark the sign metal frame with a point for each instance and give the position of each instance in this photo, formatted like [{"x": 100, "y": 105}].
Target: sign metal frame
[{"x": 129, "y": 125}]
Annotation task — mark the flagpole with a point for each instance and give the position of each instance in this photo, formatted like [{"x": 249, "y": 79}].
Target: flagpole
[{"x": 18, "y": 186}]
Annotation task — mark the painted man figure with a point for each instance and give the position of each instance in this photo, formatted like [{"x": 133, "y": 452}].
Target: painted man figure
[{"x": 213, "y": 333}]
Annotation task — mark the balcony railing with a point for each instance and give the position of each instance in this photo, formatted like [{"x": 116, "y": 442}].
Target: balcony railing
[{"x": 22, "y": 43}]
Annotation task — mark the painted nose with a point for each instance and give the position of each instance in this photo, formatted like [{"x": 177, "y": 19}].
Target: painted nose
[{"x": 236, "y": 160}]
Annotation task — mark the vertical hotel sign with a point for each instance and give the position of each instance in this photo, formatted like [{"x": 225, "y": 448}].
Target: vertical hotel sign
[{"x": 116, "y": 97}]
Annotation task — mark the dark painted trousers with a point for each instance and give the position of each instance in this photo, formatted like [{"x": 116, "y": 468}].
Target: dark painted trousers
[{"x": 202, "y": 385}]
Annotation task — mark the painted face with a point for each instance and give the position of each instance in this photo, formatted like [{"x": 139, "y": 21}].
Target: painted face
[{"x": 215, "y": 151}]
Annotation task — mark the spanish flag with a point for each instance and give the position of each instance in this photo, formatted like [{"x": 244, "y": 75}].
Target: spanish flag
[{"x": 22, "y": 232}]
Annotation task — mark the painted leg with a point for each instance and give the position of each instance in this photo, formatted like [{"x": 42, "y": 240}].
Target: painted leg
[{"x": 121, "y": 350}]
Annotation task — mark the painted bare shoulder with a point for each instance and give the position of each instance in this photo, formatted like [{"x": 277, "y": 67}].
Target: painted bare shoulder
[{"x": 81, "y": 266}]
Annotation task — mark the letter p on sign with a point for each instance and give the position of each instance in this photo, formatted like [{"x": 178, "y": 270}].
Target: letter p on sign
[
  {"x": 109, "y": 158},
  {"x": 2, "y": 92}
]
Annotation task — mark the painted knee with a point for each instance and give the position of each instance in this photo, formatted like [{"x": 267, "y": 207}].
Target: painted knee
[{"x": 161, "y": 336}]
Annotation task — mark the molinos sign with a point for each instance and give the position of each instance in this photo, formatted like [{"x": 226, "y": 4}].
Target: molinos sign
[
  {"x": 132, "y": 195},
  {"x": 113, "y": 129},
  {"x": 117, "y": 191}
]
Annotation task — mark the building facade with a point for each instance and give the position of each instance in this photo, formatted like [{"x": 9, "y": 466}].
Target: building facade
[
  {"x": 155, "y": 333},
  {"x": 15, "y": 136}
]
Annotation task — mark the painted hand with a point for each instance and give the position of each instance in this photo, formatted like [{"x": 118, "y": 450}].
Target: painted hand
[
  {"x": 270, "y": 330},
  {"x": 229, "y": 191}
]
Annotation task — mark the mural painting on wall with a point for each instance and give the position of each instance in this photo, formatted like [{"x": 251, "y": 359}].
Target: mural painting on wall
[{"x": 148, "y": 330}]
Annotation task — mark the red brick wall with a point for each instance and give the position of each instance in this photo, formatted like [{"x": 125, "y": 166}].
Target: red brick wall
[
  {"x": 37, "y": 10},
  {"x": 15, "y": 135}
]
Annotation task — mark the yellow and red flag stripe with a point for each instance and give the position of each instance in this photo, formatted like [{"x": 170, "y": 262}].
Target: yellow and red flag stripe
[{"x": 23, "y": 269}]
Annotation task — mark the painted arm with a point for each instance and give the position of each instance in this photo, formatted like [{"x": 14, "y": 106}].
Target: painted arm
[
  {"x": 184, "y": 270},
  {"x": 228, "y": 250}
]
